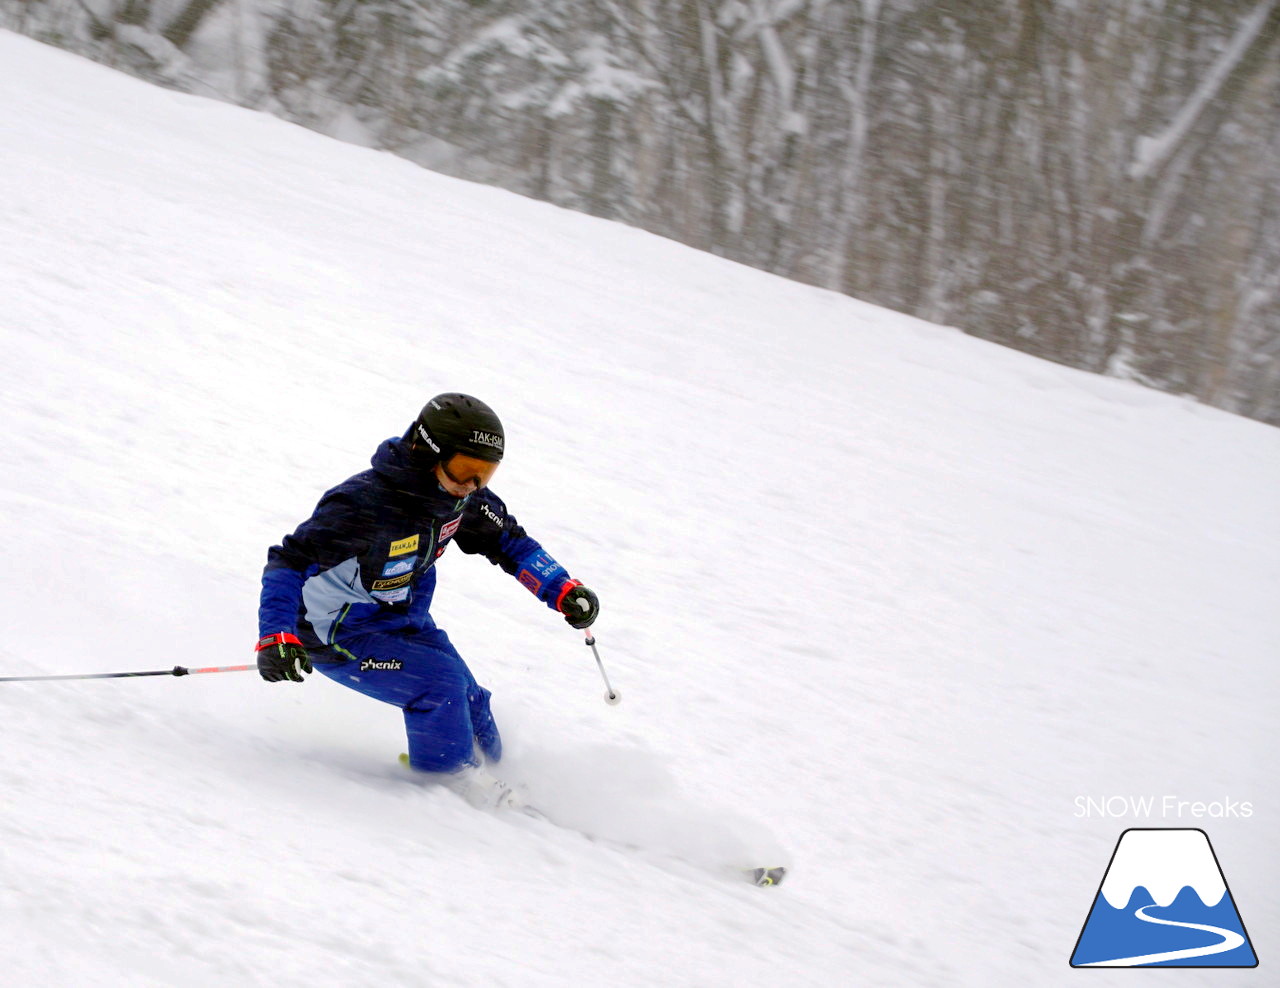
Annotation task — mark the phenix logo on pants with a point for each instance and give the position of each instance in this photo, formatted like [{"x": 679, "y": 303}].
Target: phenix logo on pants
[
  {"x": 1163, "y": 902},
  {"x": 374, "y": 665}
]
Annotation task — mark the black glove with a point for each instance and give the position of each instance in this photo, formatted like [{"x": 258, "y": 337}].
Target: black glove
[
  {"x": 282, "y": 657},
  {"x": 579, "y": 605}
]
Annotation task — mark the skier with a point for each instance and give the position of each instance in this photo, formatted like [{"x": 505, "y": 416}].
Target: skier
[{"x": 351, "y": 589}]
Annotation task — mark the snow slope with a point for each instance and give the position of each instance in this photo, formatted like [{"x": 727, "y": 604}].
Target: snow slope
[{"x": 882, "y": 594}]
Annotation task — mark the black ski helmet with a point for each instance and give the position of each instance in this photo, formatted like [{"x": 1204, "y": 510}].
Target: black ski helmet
[{"x": 457, "y": 423}]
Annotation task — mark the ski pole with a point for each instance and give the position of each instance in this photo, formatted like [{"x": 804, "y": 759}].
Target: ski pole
[
  {"x": 175, "y": 671},
  {"x": 611, "y": 696}
]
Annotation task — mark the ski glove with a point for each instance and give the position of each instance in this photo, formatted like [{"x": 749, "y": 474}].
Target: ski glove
[
  {"x": 579, "y": 605},
  {"x": 282, "y": 656}
]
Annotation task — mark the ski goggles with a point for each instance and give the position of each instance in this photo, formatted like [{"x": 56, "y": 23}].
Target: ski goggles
[{"x": 469, "y": 471}]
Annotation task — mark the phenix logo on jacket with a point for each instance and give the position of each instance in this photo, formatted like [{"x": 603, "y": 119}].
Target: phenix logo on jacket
[{"x": 364, "y": 561}]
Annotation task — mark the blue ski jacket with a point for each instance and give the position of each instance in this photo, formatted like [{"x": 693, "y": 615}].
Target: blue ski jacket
[{"x": 364, "y": 561}]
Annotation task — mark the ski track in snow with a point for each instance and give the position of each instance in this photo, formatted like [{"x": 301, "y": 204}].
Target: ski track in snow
[{"x": 881, "y": 599}]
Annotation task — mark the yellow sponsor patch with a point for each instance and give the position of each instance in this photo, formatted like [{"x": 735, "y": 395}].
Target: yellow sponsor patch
[
  {"x": 403, "y": 547},
  {"x": 391, "y": 584}
]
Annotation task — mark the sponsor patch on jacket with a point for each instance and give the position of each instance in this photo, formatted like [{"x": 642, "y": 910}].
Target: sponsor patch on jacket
[
  {"x": 546, "y": 566},
  {"x": 529, "y": 581},
  {"x": 392, "y": 584},
  {"x": 375, "y": 665},
  {"x": 397, "y": 566},
  {"x": 449, "y": 528},
  {"x": 391, "y": 596},
  {"x": 402, "y": 547}
]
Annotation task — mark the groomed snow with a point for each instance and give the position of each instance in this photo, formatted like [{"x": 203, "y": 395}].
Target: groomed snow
[{"x": 876, "y": 591}]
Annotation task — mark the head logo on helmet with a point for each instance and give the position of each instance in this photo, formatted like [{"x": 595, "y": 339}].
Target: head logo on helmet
[
  {"x": 456, "y": 423},
  {"x": 426, "y": 438}
]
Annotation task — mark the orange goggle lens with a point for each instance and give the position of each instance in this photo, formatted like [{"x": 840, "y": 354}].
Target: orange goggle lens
[{"x": 470, "y": 471}]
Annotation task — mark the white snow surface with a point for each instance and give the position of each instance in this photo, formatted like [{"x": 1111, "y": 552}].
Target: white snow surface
[{"x": 882, "y": 599}]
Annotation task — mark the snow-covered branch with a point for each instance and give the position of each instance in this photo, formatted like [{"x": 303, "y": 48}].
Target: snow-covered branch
[{"x": 1152, "y": 152}]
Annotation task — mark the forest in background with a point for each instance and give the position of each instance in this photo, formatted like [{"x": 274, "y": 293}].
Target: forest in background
[{"x": 1093, "y": 182}]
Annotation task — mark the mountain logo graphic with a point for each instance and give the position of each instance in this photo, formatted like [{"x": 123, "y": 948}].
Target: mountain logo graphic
[{"x": 1163, "y": 902}]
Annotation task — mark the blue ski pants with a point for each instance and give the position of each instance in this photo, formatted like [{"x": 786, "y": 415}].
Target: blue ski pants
[{"x": 420, "y": 671}]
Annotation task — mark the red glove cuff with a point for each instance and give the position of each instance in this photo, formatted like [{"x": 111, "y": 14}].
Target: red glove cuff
[
  {"x": 564, "y": 592},
  {"x": 281, "y": 638}
]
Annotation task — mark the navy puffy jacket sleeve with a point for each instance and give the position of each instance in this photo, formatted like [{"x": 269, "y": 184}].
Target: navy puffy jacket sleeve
[
  {"x": 488, "y": 529},
  {"x": 329, "y": 536}
]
